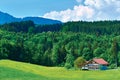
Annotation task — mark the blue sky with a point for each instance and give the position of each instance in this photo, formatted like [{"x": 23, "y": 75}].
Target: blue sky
[
  {"x": 64, "y": 10},
  {"x": 21, "y": 8}
]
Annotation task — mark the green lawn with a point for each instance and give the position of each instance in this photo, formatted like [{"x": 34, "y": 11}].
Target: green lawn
[{"x": 11, "y": 70}]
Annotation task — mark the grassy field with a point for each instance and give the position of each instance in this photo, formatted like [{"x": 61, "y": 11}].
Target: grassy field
[{"x": 11, "y": 70}]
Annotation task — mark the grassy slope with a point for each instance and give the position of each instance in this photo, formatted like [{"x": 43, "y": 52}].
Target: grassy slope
[{"x": 11, "y": 70}]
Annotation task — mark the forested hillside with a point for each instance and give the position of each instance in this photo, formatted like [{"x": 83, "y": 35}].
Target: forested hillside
[{"x": 60, "y": 44}]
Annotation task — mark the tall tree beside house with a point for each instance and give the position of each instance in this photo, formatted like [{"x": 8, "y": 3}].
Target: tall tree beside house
[
  {"x": 79, "y": 62},
  {"x": 69, "y": 61}
]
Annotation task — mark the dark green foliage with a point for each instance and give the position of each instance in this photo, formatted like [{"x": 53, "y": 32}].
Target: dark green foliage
[
  {"x": 46, "y": 28},
  {"x": 30, "y": 27},
  {"x": 87, "y": 54},
  {"x": 98, "y": 27},
  {"x": 115, "y": 49},
  {"x": 69, "y": 61},
  {"x": 23, "y": 26}
]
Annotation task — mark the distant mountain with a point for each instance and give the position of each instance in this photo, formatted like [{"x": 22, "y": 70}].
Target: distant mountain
[{"x": 7, "y": 18}]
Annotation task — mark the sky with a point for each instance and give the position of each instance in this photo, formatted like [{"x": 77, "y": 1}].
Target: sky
[{"x": 64, "y": 10}]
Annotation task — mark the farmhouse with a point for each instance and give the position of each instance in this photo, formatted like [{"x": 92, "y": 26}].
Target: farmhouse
[{"x": 96, "y": 64}]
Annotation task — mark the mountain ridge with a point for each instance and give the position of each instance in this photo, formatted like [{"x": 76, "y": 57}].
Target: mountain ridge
[{"x": 7, "y": 18}]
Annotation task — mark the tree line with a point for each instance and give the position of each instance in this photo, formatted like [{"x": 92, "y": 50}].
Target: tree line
[
  {"x": 29, "y": 27},
  {"x": 62, "y": 45}
]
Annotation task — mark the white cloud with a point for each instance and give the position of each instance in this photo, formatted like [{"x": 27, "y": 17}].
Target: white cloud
[
  {"x": 78, "y": 13},
  {"x": 88, "y": 10},
  {"x": 95, "y": 3}
]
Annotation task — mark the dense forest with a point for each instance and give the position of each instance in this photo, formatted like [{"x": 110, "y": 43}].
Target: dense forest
[{"x": 60, "y": 44}]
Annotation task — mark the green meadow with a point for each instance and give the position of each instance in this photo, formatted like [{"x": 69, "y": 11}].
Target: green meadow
[{"x": 12, "y": 70}]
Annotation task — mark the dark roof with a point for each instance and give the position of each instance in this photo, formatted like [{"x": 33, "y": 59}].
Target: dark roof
[{"x": 100, "y": 61}]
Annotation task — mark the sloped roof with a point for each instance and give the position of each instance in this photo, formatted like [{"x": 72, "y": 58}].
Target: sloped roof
[{"x": 101, "y": 61}]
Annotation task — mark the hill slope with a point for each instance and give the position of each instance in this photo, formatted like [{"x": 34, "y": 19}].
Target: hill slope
[
  {"x": 14, "y": 74},
  {"x": 11, "y": 70},
  {"x": 7, "y": 18}
]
